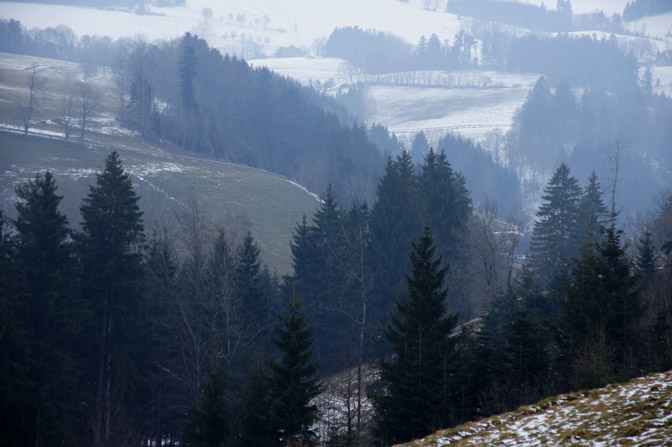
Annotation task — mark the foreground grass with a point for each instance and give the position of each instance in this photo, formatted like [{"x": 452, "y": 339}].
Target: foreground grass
[{"x": 637, "y": 413}]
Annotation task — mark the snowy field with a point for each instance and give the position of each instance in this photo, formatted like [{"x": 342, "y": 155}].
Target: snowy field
[
  {"x": 464, "y": 108},
  {"x": 268, "y": 23}
]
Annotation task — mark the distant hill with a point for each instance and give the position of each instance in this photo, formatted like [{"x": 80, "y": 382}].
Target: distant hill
[{"x": 637, "y": 413}]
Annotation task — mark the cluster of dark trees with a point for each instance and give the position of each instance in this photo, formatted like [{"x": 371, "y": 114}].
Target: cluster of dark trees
[
  {"x": 349, "y": 264},
  {"x": 584, "y": 62},
  {"x": 222, "y": 106},
  {"x": 641, "y": 8},
  {"x": 634, "y": 126},
  {"x": 581, "y": 313},
  {"x": 109, "y": 339},
  {"x": 377, "y": 52}
]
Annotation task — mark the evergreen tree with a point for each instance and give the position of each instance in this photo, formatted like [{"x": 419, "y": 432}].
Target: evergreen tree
[
  {"x": 210, "y": 419},
  {"x": 326, "y": 305},
  {"x": 164, "y": 412},
  {"x": 447, "y": 209},
  {"x": 255, "y": 429},
  {"x": 396, "y": 221},
  {"x": 594, "y": 214},
  {"x": 16, "y": 428},
  {"x": 47, "y": 317},
  {"x": 250, "y": 288},
  {"x": 111, "y": 244},
  {"x": 417, "y": 397},
  {"x": 557, "y": 230},
  {"x": 646, "y": 256},
  {"x": 293, "y": 381},
  {"x": 187, "y": 73},
  {"x": 601, "y": 309}
]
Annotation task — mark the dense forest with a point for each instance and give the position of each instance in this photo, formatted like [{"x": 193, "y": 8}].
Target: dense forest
[{"x": 114, "y": 337}]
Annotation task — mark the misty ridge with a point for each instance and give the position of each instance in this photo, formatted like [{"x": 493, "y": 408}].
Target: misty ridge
[{"x": 493, "y": 223}]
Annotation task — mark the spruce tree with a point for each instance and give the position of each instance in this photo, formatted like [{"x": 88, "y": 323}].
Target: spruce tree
[
  {"x": 416, "y": 400},
  {"x": 111, "y": 242},
  {"x": 594, "y": 213},
  {"x": 255, "y": 427},
  {"x": 210, "y": 419},
  {"x": 447, "y": 204},
  {"x": 601, "y": 310},
  {"x": 49, "y": 314},
  {"x": 646, "y": 256},
  {"x": 396, "y": 221},
  {"x": 557, "y": 230},
  {"x": 250, "y": 288},
  {"x": 293, "y": 381},
  {"x": 17, "y": 427}
]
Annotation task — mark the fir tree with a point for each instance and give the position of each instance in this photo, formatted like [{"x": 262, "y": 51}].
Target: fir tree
[
  {"x": 111, "y": 244},
  {"x": 416, "y": 400},
  {"x": 293, "y": 381},
  {"x": 557, "y": 230}
]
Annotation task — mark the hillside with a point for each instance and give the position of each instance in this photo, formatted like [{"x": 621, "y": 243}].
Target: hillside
[
  {"x": 637, "y": 413},
  {"x": 234, "y": 196}
]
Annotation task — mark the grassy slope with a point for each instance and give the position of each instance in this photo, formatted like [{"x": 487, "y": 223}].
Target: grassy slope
[
  {"x": 637, "y": 413},
  {"x": 271, "y": 205}
]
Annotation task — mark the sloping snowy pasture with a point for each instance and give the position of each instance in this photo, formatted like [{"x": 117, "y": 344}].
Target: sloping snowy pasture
[{"x": 636, "y": 413}]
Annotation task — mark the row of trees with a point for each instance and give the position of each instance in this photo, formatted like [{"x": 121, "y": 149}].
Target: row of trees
[
  {"x": 79, "y": 100},
  {"x": 603, "y": 63}
]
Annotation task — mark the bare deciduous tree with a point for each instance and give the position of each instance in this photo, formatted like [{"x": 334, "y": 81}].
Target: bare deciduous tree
[
  {"x": 34, "y": 83},
  {"x": 89, "y": 100},
  {"x": 67, "y": 104},
  {"x": 493, "y": 244}
]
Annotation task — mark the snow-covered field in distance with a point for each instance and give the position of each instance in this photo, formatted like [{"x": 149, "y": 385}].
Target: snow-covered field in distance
[{"x": 271, "y": 24}]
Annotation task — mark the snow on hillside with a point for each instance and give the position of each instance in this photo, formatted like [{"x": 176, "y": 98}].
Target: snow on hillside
[
  {"x": 267, "y": 23},
  {"x": 637, "y": 413},
  {"x": 468, "y": 103}
]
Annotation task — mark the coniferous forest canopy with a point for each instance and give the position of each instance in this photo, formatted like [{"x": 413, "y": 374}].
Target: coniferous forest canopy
[{"x": 420, "y": 295}]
